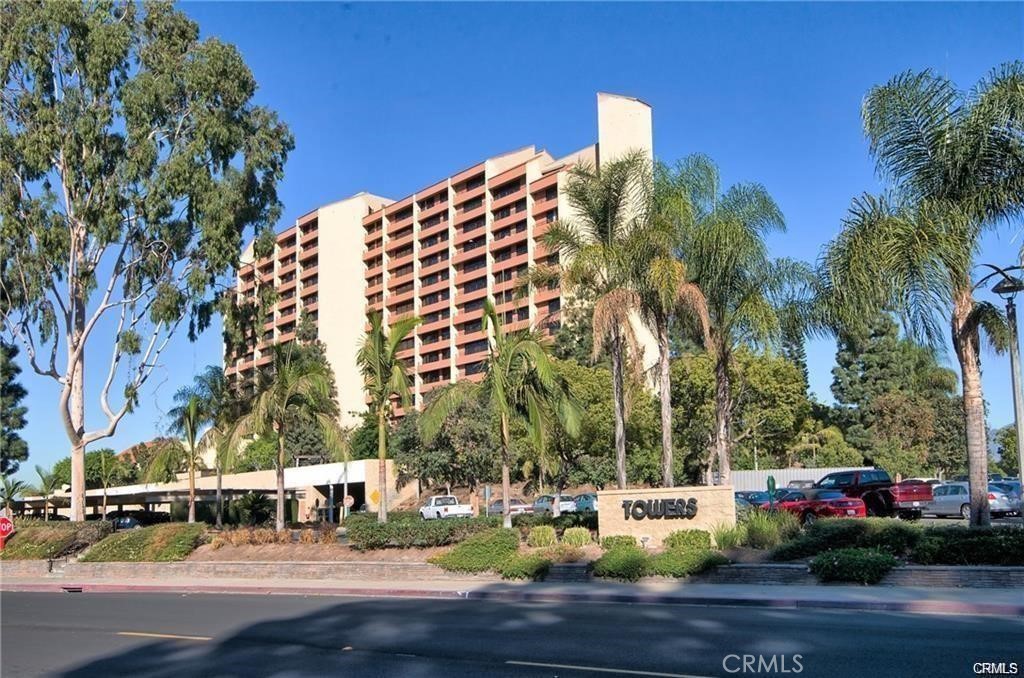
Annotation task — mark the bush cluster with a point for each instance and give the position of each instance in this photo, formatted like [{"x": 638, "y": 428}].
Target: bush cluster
[
  {"x": 628, "y": 563},
  {"x": 525, "y": 566},
  {"x": 406, "y": 533},
  {"x": 563, "y": 522},
  {"x": 563, "y": 553},
  {"x": 576, "y": 536},
  {"x": 956, "y": 545},
  {"x": 614, "y": 541},
  {"x": 541, "y": 535},
  {"x": 858, "y": 565},
  {"x": 482, "y": 552},
  {"x": 730, "y": 536},
  {"x": 160, "y": 543},
  {"x": 685, "y": 562},
  {"x": 688, "y": 539}
]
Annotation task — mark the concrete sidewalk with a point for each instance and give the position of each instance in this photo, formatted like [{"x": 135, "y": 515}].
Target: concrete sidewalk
[{"x": 1000, "y": 602}]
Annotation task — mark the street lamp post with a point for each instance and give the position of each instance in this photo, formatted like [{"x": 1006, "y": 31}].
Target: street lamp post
[{"x": 1008, "y": 289}]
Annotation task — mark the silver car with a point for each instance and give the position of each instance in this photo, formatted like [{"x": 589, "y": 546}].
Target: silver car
[
  {"x": 954, "y": 499},
  {"x": 516, "y": 506}
]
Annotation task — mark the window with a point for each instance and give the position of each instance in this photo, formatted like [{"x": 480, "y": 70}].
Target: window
[
  {"x": 507, "y": 189},
  {"x": 473, "y": 244},
  {"x": 554, "y": 305},
  {"x": 435, "y": 278},
  {"x": 478, "y": 346},
  {"x": 474, "y": 265},
  {"x": 474, "y": 285},
  {"x": 403, "y": 308},
  {"x": 552, "y": 215},
  {"x": 435, "y": 258},
  {"x": 551, "y": 193},
  {"x": 474, "y": 305},
  {"x": 471, "y": 226},
  {"x": 471, "y": 205},
  {"x": 402, "y": 289},
  {"x": 475, "y": 368},
  {"x": 403, "y": 270},
  {"x": 475, "y": 182},
  {"x": 435, "y": 297}
]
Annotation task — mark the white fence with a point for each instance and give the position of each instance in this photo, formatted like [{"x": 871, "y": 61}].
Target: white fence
[{"x": 748, "y": 481}]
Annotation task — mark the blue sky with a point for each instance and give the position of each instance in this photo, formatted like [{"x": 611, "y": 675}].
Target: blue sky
[{"x": 390, "y": 98}]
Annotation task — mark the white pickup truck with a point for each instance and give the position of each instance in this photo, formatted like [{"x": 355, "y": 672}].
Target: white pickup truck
[{"x": 445, "y": 506}]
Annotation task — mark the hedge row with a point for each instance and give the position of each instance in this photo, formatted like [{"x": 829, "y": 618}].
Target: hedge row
[
  {"x": 954, "y": 545},
  {"x": 407, "y": 533},
  {"x": 629, "y": 563},
  {"x": 857, "y": 565},
  {"x": 487, "y": 551}
]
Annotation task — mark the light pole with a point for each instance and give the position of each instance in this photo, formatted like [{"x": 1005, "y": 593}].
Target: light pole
[{"x": 1007, "y": 288}]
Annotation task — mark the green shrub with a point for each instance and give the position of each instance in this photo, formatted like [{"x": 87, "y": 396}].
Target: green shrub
[
  {"x": 525, "y": 521},
  {"x": 970, "y": 546},
  {"x": 563, "y": 553},
  {"x": 862, "y": 566},
  {"x": 541, "y": 535},
  {"x": 160, "y": 543},
  {"x": 526, "y": 566},
  {"x": 688, "y": 539},
  {"x": 618, "y": 540},
  {"x": 768, "y": 529},
  {"x": 680, "y": 562},
  {"x": 894, "y": 536},
  {"x": 39, "y": 540},
  {"x": 365, "y": 534},
  {"x": 576, "y": 536},
  {"x": 481, "y": 552},
  {"x": 730, "y": 536},
  {"x": 622, "y": 562}
]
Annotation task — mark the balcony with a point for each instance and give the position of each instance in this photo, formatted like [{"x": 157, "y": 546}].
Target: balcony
[
  {"x": 285, "y": 269},
  {"x": 374, "y": 289},
  {"x": 433, "y": 346},
  {"x": 439, "y": 305},
  {"x": 464, "y": 235},
  {"x": 510, "y": 220},
  {"x": 372, "y": 252},
  {"x": 286, "y": 337},
  {"x": 309, "y": 238},
  {"x": 434, "y": 210},
  {"x": 441, "y": 324},
  {"x": 511, "y": 198},
  {"x": 434, "y": 229},
  {"x": 288, "y": 317},
  {"x": 286, "y": 252},
  {"x": 284, "y": 305},
  {"x": 428, "y": 386},
  {"x": 544, "y": 295},
  {"x": 266, "y": 275},
  {"x": 467, "y": 337},
  {"x": 399, "y": 262},
  {"x": 430, "y": 269},
  {"x": 286, "y": 286},
  {"x": 309, "y": 252},
  {"x": 396, "y": 299},
  {"x": 310, "y": 306},
  {"x": 396, "y": 225},
  {"x": 434, "y": 286},
  {"x": 308, "y": 270},
  {"x": 465, "y": 359},
  {"x": 468, "y": 194},
  {"x": 466, "y": 297},
  {"x": 470, "y": 215},
  {"x": 509, "y": 237},
  {"x": 462, "y": 256},
  {"x": 542, "y": 205},
  {"x": 433, "y": 249},
  {"x": 468, "y": 316},
  {"x": 463, "y": 277},
  {"x": 513, "y": 261}
]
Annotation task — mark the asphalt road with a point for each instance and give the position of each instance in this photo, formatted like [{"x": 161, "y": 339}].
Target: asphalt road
[{"x": 137, "y": 634}]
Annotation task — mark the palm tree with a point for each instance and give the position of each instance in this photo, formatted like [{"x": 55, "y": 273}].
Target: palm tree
[
  {"x": 956, "y": 168},
  {"x": 599, "y": 248},
  {"x": 520, "y": 384},
  {"x": 10, "y": 489},
  {"x": 746, "y": 292},
  {"x": 385, "y": 379},
  {"x": 111, "y": 470},
  {"x": 294, "y": 389},
  {"x": 48, "y": 484},
  {"x": 187, "y": 420},
  {"x": 666, "y": 290}
]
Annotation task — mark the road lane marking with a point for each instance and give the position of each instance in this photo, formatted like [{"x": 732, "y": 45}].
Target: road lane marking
[
  {"x": 168, "y": 636},
  {"x": 599, "y": 669}
]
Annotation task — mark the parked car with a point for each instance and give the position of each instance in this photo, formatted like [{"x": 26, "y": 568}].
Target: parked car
[
  {"x": 543, "y": 504},
  {"x": 930, "y": 481},
  {"x": 743, "y": 507},
  {"x": 516, "y": 506},
  {"x": 126, "y": 523},
  {"x": 755, "y": 498},
  {"x": 954, "y": 499},
  {"x": 799, "y": 484},
  {"x": 445, "y": 506},
  {"x": 145, "y": 518},
  {"x": 1012, "y": 489},
  {"x": 880, "y": 495},
  {"x": 586, "y": 502},
  {"x": 809, "y": 504}
]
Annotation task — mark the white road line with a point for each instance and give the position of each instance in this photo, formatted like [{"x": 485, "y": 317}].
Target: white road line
[
  {"x": 170, "y": 636},
  {"x": 599, "y": 669}
]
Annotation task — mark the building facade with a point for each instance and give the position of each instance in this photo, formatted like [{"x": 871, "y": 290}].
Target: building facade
[{"x": 436, "y": 254}]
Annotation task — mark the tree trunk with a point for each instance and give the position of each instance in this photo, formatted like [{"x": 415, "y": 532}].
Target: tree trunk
[
  {"x": 382, "y": 468},
  {"x": 46, "y": 509},
  {"x": 104, "y": 502},
  {"x": 220, "y": 500},
  {"x": 76, "y": 407},
  {"x": 191, "y": 488},
  {"x": 506, "y": 483},
  {"x": 723, "y": 414},
  {"x": 665, "y": 385},
  {"x": 78, "y": 481},
  {"x": 619, "y": 395},
  {"x": 280, "y": 479},
  {"x": 967, "y": 345}
]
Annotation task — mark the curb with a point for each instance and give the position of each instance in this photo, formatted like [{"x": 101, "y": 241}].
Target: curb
[{"x": 941, "y": 607}]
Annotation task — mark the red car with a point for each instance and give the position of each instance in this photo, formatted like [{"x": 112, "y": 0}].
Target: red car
[{"x": 809, "y": 505}]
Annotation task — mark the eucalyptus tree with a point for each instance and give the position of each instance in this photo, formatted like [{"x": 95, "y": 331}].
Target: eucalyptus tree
[
  {"x": 48, "y": 484},
  {"x": 520, "y": 384},
  {"x": 599, "y": 243},
  {"x": 133, "y": 162},
  {"x": 954, "y": 162},
  {"x": 292, "y": 392},
  {"x": 747, "y": 293},
  {"x": 385, "y": 380}
]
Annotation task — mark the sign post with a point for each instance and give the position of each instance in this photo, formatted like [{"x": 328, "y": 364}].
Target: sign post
[
  {"x": 771, "y": 493},
  {"x": 6, "y": 530}
]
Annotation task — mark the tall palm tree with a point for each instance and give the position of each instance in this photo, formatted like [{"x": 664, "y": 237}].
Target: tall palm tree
[
  {"x": 520, "y": 384},
  {"x": 746, "y": 292},
  {"x": 385, "y": 380},
  {"x": 10, "y": 489},
  {"x": 294, "y": 389},
  {"x": 599, "y": 243},
  {"x": 48, "y": 484},
  {"x": 111, "y": 470},
  {"x": 955, "y": 164},
  {"x": 188, "y": 419},
  {"x": 667, "y": 290}
]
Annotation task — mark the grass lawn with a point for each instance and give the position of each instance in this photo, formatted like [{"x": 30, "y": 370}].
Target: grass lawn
[{"x": 158, "y": 543}]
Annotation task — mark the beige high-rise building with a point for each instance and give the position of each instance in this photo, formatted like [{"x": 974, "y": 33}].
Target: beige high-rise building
[{"x": 437, "y": 254}]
